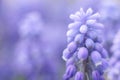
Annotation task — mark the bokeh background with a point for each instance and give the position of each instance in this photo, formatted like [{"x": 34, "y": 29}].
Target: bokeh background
[{"x": 33, "y": 35}]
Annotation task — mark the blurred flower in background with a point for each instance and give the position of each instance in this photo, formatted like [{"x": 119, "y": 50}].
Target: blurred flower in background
[
  {"x": 34, "y": 53},
  {"x": 114, "y": 69},
  {"x": 111, "y": 19},
  {"x": 28, "y": 49},
  {"x": 32, "y": 35}
]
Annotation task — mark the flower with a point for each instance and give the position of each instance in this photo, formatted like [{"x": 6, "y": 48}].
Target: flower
[
  {"x": 96, "y": 58},
  {"x": 70, "y": 72},
  {"x": 95, "y": 75},
  {"x": 85, "y": 50},
  {"x": 83, "y": 53},
  {"x": 114, "y": 70},
  {"x": 79, "y": 76},
  {"x": 30, "y": 56}
]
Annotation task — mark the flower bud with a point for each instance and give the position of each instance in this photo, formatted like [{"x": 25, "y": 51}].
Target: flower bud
[
  {"x": 83, "y": 53},
  {"x": 70, "y": 61},
  {"x": 96, "y": 58},
  {"x": 71, "y": 33},
  {"x": 104, "y": 53},
  {"x": 79, "y": 38},
  {"x": 99, "y": 25},
  {"x": 71, "y": 70},
  {"x": 90, "y": 22},
  {"x": 82, "y": 13},
  {"x": 74, "y": 25},
  {"x": 89, "y": 43},
  {"x": 72, "y": 47},
  {"x": 94, "y": 16},
  {"x": 79, "y": 76},
  {"x": 83, "y": 29},
  {"x": 102, "y": 67},
  {"x": 74, "y": 17},
  {"x": 95, "y": 75},
  {"x": 66, "y": 54},
  {"x": 98, "y": 47},
  {"x": 92, "y": 35},
  {"x": 89, "y": 12}
]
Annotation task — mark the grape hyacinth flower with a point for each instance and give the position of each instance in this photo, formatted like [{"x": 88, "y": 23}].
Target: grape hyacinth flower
[
  {"x": 30, "y": 59},
  {"x": 30, "y": 33},
  {"x": 114, "y": 70},
  {"x": 111, "y": 18},
  {"x": 85, "y": 55},
  {"x": 27, "y": 50}
]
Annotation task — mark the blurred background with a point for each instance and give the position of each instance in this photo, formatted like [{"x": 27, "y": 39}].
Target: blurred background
[{"x": 33, "y": 35}]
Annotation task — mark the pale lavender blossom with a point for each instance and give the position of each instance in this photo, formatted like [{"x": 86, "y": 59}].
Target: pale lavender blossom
[
  {"x": 79, "y": 76},
  {"x": 114, "y": 69},
  {"x": 111, "y": 18},
  {"x": 85, "y": 50},
  {"x": 30, "y": 58},
  {"x": 95, "y": 75}
]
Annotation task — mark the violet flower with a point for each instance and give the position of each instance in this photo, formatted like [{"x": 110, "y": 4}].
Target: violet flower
[
  {"x": 95, "y": 75},
  {"x": 111, "y": 18},
  {"x": 114, "y": 70},
  {"x": 30, "y": 59},
  {"x": 79, "y": 76},
  {"x": 85, "y": 50}
]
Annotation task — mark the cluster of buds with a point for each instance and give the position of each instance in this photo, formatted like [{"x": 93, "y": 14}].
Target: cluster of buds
[{"x": 85, "y": 55}]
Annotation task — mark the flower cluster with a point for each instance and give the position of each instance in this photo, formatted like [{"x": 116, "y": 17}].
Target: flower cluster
[
  {"x": 29, "y": 31},
  {"x": 30, "y": 58},
  {"x": 31, "y": 25},
  {"x": 106, "y": 8},
  {"x": 111, "y": 22},
  {"x": 114, "y": 70},
  {"x": 85, "y": 55}
]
